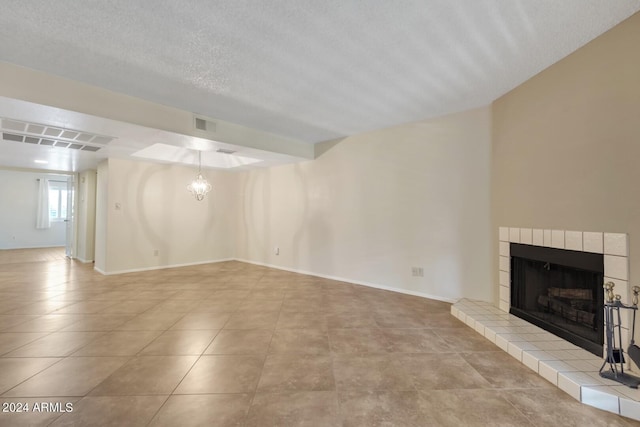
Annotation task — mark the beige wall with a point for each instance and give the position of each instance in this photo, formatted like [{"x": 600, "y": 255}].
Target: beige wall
[
  {"x": 566, "y": 144},
  {"x": 156, "y": 212},
  {"x": 374, "y": 205}
]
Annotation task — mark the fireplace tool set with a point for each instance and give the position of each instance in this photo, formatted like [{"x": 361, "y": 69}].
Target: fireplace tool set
[{"x": 615, "y": 354}]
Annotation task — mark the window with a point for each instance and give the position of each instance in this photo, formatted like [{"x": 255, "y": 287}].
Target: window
[{"x": 57, "y": 200}]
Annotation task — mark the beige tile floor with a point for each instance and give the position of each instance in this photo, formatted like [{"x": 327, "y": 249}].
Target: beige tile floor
[{"x": 232, "y": 344}]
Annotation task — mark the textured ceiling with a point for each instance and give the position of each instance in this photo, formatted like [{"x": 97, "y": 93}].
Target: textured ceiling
[{"x": 307, "y": 69}]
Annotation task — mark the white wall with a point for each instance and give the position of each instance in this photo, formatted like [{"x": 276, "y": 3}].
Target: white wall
[
  {"x": 18, "y": 204},
  {"x": 368, "y": 209},
  {"x": 86, "y": 216},
  {"x": 374, "y": 205},
  {"x": 145, "y": 207},
  {"x": 102, "y": 195}
]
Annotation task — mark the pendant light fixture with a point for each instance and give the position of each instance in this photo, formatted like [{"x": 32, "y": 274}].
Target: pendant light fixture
[{"x": 199, "y": 187}]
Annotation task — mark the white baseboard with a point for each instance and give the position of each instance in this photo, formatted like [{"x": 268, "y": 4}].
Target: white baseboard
[
  {"x": 32, "y": 247},
  {"x": 355, "y": 282},
  {"x": 99, "y": 271},
  {"x": 161, "y": 267},
  {"x": 84, "y": 261},
  {"x": 293, "y": 270}
]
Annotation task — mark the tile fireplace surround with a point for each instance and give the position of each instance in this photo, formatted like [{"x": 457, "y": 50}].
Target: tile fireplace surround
[{"x": 565, "y": 365}]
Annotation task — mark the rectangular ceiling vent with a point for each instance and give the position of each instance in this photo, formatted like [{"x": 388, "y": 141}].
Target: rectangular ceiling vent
[
  {"x": 13, "y": 125},
  {"x": 12, "y": 137},
  {"x": 39, "y": 134},
  {"x": 225, "y": 151},
  {"x": 204, "y": 124}
]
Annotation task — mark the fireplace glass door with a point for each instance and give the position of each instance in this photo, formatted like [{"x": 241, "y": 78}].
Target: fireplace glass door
[{"x": 560, "y": 291}]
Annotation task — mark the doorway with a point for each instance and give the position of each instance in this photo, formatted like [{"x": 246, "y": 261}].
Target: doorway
[
  {"x": 40, "y": 211},
  {"x": 62, "y": 209}
]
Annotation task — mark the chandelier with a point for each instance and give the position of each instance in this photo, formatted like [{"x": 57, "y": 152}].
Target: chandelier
[{"x": 199, "y": 187}]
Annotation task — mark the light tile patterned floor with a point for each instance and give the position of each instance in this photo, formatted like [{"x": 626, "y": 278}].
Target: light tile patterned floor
[
  {"x": 236, "y": 344},
  {"x": 32, "y": 255}
]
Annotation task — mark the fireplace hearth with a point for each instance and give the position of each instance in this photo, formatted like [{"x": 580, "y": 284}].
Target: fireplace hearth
[{"x": 560, "y": 291}]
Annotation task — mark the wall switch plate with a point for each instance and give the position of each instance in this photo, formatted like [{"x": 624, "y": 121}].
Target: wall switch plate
[
  {"x": 276, "y": 250},
  {"x": 417, "y": 271}
]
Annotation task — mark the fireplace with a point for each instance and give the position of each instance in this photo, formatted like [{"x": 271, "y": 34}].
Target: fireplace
[{"x": 560, "y": 291}]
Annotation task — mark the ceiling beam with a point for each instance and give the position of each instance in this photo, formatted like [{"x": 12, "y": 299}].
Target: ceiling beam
[{"x": 34, "y": 86}]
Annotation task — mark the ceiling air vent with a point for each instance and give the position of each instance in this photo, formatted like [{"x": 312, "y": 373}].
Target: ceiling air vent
[
  {"x": 225, "y": 151},
  {"x": 90, "y": 148},
  {"x": 52, "y": 132},
  {"x": 84, "y": 137},
  {"x": 13, "y": 125},
  {"x": 37, "y": 129},
  {"x": 67, "y": 134},
  {"x": 204, "y": 124},
  {"x": 12, "y": 137},
  {"x": 103, "y": 140},
  {"x": 39, "y": 134}
]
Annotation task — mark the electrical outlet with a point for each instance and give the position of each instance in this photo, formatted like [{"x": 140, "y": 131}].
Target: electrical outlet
[
  {"x": 276, "y": 250},
  {"x": 417, "y": 271}
]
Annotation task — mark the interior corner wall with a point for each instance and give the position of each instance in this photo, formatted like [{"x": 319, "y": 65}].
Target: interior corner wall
[
  {"x": 86, "y": 216},
  {"x": 146, "y": 218},
  {"x": 18, "y": 205},
  {"x": 566, "y": 144},
  {"x": 373, "y": 206},
  {"x": 102, "y": 199}
]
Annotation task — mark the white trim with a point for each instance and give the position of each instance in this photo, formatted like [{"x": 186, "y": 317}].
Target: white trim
[
  {"x": 355, "y": 282},
  {"x": 31, "y": 247},
  {"x": 292, "y": 270},
  {"x": 100, "y": 271},
  {"x": 161, "y": 267},
  {"x": 84, "y": 261}
]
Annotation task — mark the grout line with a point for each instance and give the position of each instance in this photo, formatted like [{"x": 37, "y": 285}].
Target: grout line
[
  {"x": 362, "y": 297},
  {"x": 558, "y": 373},
  {"x": 264, "y": 360},
  {"x": 152, "y": 417}
]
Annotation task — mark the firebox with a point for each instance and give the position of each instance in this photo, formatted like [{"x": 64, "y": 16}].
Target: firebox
[{"x": 560, "y": 291}]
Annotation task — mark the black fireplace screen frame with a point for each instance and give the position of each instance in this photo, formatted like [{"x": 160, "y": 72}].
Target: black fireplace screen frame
[{"x": 584, "y": 261}]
